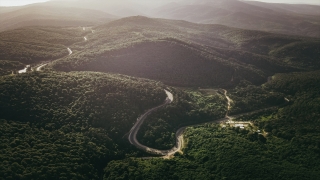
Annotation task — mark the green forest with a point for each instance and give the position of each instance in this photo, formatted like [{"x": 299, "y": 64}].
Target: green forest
[
  {"x": 7, "y": 67},
  {"x": 34, "y": 45},
  {"x": 72, "y": 118},
  {"x": 288, "y": 148},
  {"x": 191, "y": 107},
  {"x": 157, "y": 49},
  {"x": 58, "y": 124},
  {"x": 66, "y": 123}
]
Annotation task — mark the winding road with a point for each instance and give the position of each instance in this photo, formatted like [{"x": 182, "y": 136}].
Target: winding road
[
  {"x": 134, "y": 130},
  {"x": 179, "y": 134},
  {"x": 69, "y": 50},
  {"x": 24, "y": 70},
  {"x": 41, "y": 66}
]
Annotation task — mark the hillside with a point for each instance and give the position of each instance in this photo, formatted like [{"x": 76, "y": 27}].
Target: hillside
[
  {"x": 36, "y": 44},
  {"x": 279, "y": 18},
  {"x": 304, "y": 9},
  {"x": 6, "y": 67},
  {"x": 80, "y": 120},
  {"x": 123, "y": 8},
  {"x": 282, "y": 143},
  {"x": 220, "y": 90},
  {"x": 185, "y": 54},
  {"x": 45, "y": 15},
  {"x": 68, "y": 124}
]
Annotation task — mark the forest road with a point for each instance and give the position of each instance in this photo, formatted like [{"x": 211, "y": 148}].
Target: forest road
[
  {"x": 40, "y": 67},
  {"x": 69, "y": 50},
  {"x": 134, "y": 130},
  {"x": 179, "y": 134}
]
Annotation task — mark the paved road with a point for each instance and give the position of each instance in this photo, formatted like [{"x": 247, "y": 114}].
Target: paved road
[
  {"x": 24, "y": 70},
  {"x": 69, "y": 50},
  {"x": 179, "y": 134},
  {"x": 40, "y": 67},
  {"x": 134, "y": 130}
]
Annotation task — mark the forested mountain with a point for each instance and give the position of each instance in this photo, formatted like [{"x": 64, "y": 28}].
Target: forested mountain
[
  {"x": 287, "y": 147},
  {"x": 121, "y": 8},
  {"x": 46, "y": 15},
  {"x": 289, "y": 8},
  {"x": 73, "y": 124},
  {"x": 296, "y": 19},
  {"x": 236, "y": 97},
  {"x": 68, "y": 125},
  {"x": 186, "y": 54},
  {"x": 36, "y": 44}
]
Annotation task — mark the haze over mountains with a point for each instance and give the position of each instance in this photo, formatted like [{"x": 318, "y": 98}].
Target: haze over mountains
[
  {"x": 286, "y": 19},
  {"x": 157, "y": 48},
  {"x": 279, "y": 18}
]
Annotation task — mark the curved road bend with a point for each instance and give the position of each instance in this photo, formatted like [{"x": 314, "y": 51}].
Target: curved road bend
[
  {"x": 134, "y": 130},
  {"x": 179, "y": 134},
  {"x": 40, "y": 67},
  {"x": 43, "y": 65},
  {"x": 69, "y": 50}
]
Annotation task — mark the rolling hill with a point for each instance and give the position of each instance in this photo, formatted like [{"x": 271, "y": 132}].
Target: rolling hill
[
  {"x": 69, "y": 124},
  {"x": 282, "y": 143},
  {"x": 280, "y": 18},
  {"x": 244, "y": 102},
  {"x": 46, "y": 15},
  {"x": 37, "y": 44},
  {"x": 122, "y": 8},
  {"x": 186, "y": 54}
]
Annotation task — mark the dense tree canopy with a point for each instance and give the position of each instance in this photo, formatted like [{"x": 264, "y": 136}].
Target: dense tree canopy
[
  {"x": 68, "y": 125},
  {"x": 35, "y": 44}
]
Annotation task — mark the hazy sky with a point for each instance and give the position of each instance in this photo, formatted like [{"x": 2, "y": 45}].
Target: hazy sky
[
  {"x": 148, "y": 2},
  {"x": 18, "y": 2}
]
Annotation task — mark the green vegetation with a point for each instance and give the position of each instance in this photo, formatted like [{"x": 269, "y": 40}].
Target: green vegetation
[
  {"x": 247, "y": 97},
  {"x": 287, "y": 147},
  {"x": 213, "y": 152},
  {"x": 68, "y": 125},
  {"x": 298, "y": 122},
  {"x": 73, "y": 125},
  {"x": 33, "y": 45},
  {"x": 189, "y": 107},
  {"x": 185, "y": 54},
  {"x": 7, "y": 67}
]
